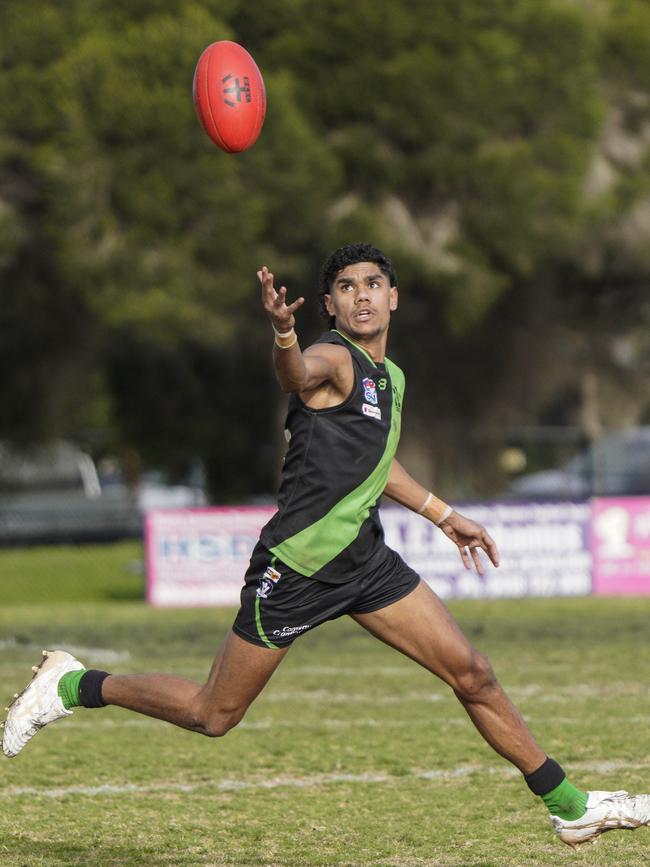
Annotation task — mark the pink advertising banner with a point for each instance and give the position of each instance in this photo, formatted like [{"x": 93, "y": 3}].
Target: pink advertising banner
[
  {"x": 620, "y": 540},
  {"x": 198, "y": 557}
]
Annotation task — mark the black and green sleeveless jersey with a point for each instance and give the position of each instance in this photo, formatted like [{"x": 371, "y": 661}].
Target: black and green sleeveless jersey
[{"x": 327, "y": 524}]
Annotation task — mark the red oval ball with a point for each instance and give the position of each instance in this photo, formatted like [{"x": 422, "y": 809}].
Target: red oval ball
[{"x": 229, "y": 96}]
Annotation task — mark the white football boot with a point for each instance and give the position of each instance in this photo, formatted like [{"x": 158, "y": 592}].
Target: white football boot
[
  {"x": 39, "y": 703},
  {"x": 606, "y": 811}
]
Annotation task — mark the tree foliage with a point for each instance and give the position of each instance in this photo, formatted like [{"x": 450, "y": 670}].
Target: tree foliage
[{"x": 499, "y": 152}]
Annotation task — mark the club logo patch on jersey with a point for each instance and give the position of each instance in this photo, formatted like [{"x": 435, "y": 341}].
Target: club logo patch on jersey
[
  {"x": 370, "y": 390},
  {"x": 372, "y": 411},
  {"x": 268, "y": 581}
]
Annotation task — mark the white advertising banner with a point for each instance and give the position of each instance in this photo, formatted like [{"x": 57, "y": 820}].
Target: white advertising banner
[
  {"x": 544, "y": 549},
  {"x": 198, "y": 557}
]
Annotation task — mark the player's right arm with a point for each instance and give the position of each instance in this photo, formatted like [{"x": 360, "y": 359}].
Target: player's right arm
[{"x": 320, "y": 368}]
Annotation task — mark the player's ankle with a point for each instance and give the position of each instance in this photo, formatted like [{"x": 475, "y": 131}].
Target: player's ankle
[
  {"x": 549, "y": 782},
  {"x": 82, "y": 688},
  {"x": 68, "y": 688},
  {"x": 566, "y": 802}
]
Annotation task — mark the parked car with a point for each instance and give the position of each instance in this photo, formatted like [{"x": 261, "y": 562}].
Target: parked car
[
  {"x": 617, "y": 464},
  {"x": 54, "y": 493}
]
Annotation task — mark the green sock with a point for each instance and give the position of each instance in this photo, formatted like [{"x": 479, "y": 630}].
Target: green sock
[
  {"x": 566, "y": 801},
  {"x": 68, "y": 688}
]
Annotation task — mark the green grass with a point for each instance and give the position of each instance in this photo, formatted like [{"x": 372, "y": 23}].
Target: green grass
[
  {"x": 351, "y": 756},
  {"x": 68, "y": 573}
]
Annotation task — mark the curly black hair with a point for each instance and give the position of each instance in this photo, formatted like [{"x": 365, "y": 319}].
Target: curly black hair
[{"x": 341, "y": 258}]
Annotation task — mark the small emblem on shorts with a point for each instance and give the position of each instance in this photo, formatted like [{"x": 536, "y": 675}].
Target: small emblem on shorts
[
  {"x": 370, "y": 390},
  {"x": 372, "y": 411},
  {"x": 267, "y": 582}
]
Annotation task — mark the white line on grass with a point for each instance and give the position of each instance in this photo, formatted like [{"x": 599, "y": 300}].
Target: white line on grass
[
  {"x": 269, "y": 724},
  {"x": 324, "y": 722},
  {"x": 105, "y": 655},
  {"x": 237, "y": 785},
  {"x": 336, "y": 671},
  {"x": 326, "y": 696},
  {"x": 533, "y": 694},
  {"x": 380, "y": 777}
]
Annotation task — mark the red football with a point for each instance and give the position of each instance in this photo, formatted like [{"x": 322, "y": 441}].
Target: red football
[{"x": 229, "y": 96}]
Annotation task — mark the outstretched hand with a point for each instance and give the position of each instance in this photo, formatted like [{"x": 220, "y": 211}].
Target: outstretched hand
[
  {"x": 469, "y": 537},
  {"x": 280, "y": 313}
]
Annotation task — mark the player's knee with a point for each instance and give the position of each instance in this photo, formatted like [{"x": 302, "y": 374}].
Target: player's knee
[
  {"x": 215, "y": 720},
  {"x": 476, "y": 678},
  {"x": 218, "y": 723}
]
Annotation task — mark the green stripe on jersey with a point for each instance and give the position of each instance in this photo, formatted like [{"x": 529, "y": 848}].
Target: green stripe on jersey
[
  {"x": 260, "y": 630},
  {"x": 309, "y": 550},
  {"x": 356, "y": 346}
]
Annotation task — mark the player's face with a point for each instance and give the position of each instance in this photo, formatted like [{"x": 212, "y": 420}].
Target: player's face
[{"x": 362, "y": 299}]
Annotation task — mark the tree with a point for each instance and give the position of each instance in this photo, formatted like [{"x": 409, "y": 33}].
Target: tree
[{"x": 499, "y": 152}]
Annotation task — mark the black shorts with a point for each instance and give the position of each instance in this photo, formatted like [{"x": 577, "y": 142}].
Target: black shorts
[{"x": 278, "y": 604}]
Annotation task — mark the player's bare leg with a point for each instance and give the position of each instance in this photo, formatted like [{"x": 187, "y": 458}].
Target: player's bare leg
[
  {"x": 420, "y": 626},
  {"x": 238, "y": 674}
]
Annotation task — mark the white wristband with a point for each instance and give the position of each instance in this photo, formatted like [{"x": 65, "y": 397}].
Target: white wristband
[
  {"x": 444, "y": 515},
  {"x": 283, "y": 334},
  {"x": 435, "y": 510}
]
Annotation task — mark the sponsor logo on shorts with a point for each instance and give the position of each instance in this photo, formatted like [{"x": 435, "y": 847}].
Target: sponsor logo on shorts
[
  {"x": 267, "y": 582},
  {"x": 288, "y": 631},
  {"x": 372, "y": 411},
  {"x": 370, "y": 390}
]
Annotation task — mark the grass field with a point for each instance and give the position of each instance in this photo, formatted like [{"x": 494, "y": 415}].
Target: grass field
[{"x": 352, "y": 756}]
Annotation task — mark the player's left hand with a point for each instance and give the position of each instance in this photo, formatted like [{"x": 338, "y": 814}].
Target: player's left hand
[{"x": 469, "y": 537}]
